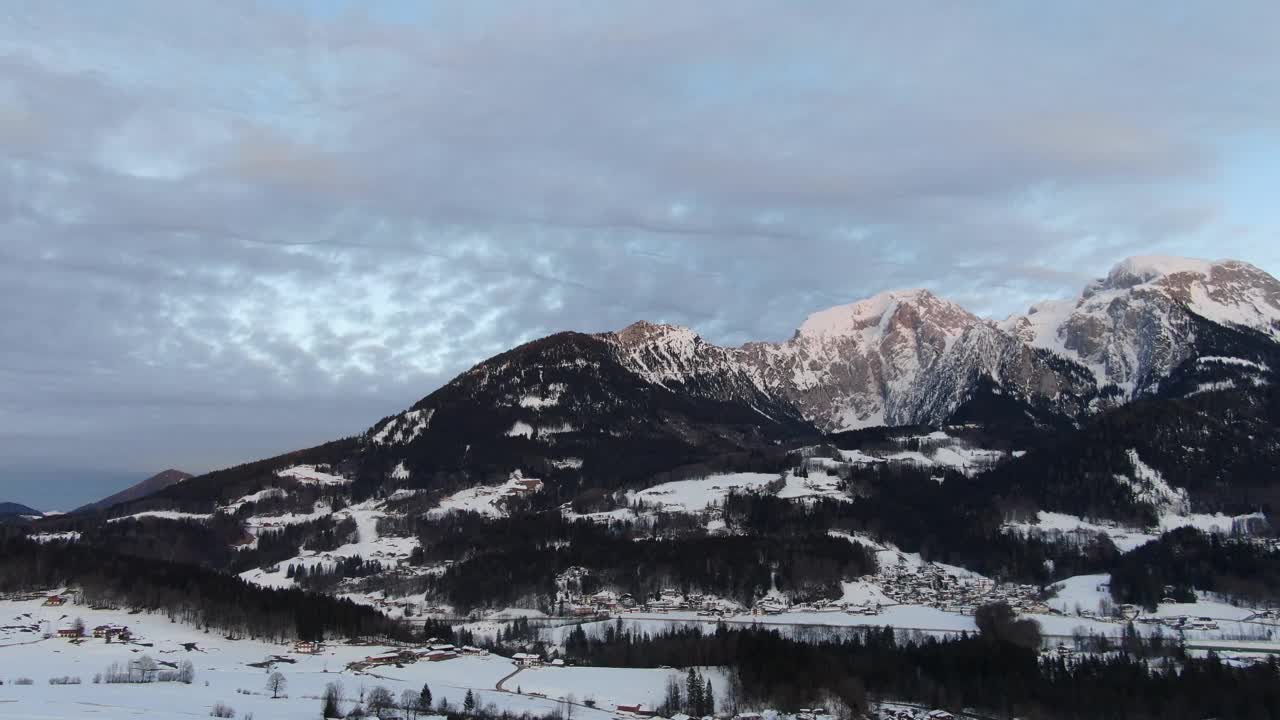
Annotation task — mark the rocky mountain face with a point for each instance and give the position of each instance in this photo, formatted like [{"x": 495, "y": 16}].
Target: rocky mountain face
[
  {"x": 1133, "y": 327},
  {"x": 903, "y": 358},
  {"x": 857, "y": 365}
]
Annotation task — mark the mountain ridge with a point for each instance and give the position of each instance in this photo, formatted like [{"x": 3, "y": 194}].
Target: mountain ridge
[
  {"x": 862, "y": 364},
  {"x": 578, "y": 408},
  {"x": 153, "y": 484},
  {"x": 13, "y": 509}
]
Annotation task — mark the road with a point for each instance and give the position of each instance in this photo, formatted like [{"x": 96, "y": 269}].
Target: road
[{"x": 498, "y": 685}]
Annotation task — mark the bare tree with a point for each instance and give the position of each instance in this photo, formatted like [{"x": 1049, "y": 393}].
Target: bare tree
[
  {"x": 380, "y": 700},
  {"x": 330, "y": 707},
  {"x": 409, "y": 703},
  {"x": 276, "y": 683}
]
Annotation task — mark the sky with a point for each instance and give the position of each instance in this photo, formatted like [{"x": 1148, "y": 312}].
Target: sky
[{"x": 234, "y": 229}]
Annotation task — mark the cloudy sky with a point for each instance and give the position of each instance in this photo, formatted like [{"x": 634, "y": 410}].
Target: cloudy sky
[{"x": 233, "y": 229}]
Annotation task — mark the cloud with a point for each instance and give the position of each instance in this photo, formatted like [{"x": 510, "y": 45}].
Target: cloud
[{"x": 233, "y": 230}]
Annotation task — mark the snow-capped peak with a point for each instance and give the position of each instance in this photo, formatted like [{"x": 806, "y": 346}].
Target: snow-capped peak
[
  {"x": 1132, "y": 326},
  {"x": 1141, "y": 269},
  {"x": 879, "y": 311},
  {"x": 1228, "y": 292},
  {"x": 644, "y": 332}
]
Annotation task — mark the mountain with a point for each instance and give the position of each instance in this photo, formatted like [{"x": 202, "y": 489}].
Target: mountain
[
  {"x": 153, "y": 484},
  {"x": 1133, "y": 327},
  {"x": 653, "y": 395},
  {"x": 10, "y": 509},
  {"x": 613, "y": 409},
  {"x": 1147, "y": 403}
]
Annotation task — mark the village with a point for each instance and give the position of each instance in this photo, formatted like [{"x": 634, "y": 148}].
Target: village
[{"x": 928, "y": 585}]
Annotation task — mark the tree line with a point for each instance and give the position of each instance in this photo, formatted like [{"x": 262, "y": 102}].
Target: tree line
[
  {"x": 188, "y": 593},
  {"x": 994, "y": 671}
]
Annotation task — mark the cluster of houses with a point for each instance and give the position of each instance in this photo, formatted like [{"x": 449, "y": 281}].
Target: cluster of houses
[
  {"x": 433, "y": 652},
  {"x": 108, "y": 633},
  {"x": 1181, "y": 622},
  {"x": 607, "y": 602},
  {"x": 932, "y": 585},
  {"x": 75, "y": 631},
  {"x": 906, "y": 713},
  {"x": 534, "y": 660},
  {"x": 904, "y": 583}
]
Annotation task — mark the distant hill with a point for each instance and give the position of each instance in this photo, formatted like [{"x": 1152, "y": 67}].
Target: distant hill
[
  {"x": 9, "y": 509},
  {"x": 153, "y": 484}
]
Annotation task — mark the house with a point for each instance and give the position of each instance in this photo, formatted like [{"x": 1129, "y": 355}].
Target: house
[
  {"x": 637, "y": 709},
  {"x": 307, "y": 647},
  {"x": 107, "y": 632},
  {"x": 472, "y": 650},
  {"x": 526, "y": 485},
  {"x": 558, "y": 662},
  {"x": 69, "y": 632},
  {"x": 392, "y": 658},
  {"x": 527, "y": 659},
  {"x": 440, "y": 655},
  {"x": 55, "y": 601}
]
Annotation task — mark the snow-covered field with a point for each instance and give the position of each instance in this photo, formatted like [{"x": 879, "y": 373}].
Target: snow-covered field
[
  {"x": 1053, "y": 524},
  {"x": 488, "y": 500},
  {"x": 703, "y": 494},
  {"x": 699, "y": 494},
  {"x": 222, "y": 671}
]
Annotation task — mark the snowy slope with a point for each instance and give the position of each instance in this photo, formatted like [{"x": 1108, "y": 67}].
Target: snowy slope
[
  {"x": 851, "y": 366},
  {"x": 1133, "y": 326}
]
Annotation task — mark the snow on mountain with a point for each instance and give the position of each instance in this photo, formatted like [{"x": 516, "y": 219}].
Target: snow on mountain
[
  {"x": 856, "y": 365},
  {"x": 664, "y": 353},
  {"x": 899, "y": 357},
  {"x": 1134, "y": 326},
  {"x": 678, "y": 359},
  {"x": 488, "y": 500},
  {"x": 1150, "y": 488},
  {"x": 402, "y": 429},
  {"x": 908, "y": 356},
  {"x": 312, "y": 475},
  {"x": 699, "y": 494}
]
